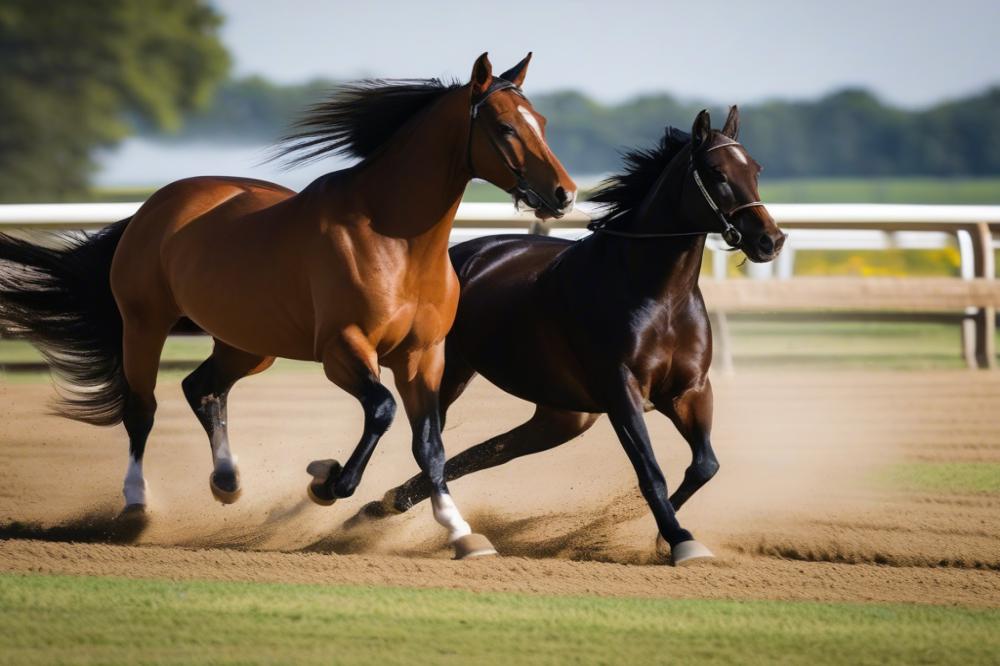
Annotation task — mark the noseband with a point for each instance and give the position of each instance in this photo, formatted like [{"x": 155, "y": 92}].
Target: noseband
[
  {"x": 521, "y": 190},
  {"x": 730, "y": 233}
]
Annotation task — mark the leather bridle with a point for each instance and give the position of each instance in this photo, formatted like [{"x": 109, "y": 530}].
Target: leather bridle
[
  {"x": 522, "y": 191},
  {"x": 730, "y": 233}
]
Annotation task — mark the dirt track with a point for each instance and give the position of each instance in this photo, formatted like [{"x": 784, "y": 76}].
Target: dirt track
[{"x": 795, "y": 512}]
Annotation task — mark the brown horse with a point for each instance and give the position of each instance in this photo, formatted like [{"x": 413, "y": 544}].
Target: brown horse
[
  {"x": 352, "y": 272},
  {"x": 613, "y": 323}
]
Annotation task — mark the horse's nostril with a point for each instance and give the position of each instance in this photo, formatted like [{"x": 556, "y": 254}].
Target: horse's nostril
[
  {"x": 561, "y": 197},
  {"x": 766, "y": 244}
]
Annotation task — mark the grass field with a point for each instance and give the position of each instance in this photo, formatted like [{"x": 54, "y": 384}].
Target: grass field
[
  {"x": 948, "y": 477},
  {"x": 757, "y": 343},
  {"x": 67, "y": 620}
]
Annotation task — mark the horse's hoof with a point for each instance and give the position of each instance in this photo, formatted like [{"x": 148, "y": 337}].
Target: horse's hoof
[
  {"x": 324, "y": 473},
  {"x": 473, "y": 545},
  {"x": 388, "y": 503},
  {"x": 691, "y": 552},
  {"x": 131, "y": 510},
  {"x": 225, "y": 486}
]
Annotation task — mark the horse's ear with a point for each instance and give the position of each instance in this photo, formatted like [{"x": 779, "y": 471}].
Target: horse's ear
[
  {"x": 732, "y": 126},
  {"x": 517, "y": 73},
  {"x": 482, "y": 75},
  {"x": 701, "y": 130}
]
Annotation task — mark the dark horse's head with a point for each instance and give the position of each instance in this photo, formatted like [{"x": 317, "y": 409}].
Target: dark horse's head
[
  {"x": 692, "y": 184},
  {"x": 720, "y": 190}
]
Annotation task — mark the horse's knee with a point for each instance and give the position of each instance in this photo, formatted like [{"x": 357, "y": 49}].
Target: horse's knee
[{"x": 380, "y": 408}]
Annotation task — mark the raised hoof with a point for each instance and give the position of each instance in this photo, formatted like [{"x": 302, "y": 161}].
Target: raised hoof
[
  {"x": 324, "y": 473},
  {"x": 473, "y": 545},
  {"x": 388, "y": 503},
  {"x": 225, "y": 486},
  {"x": 691, "y": 552}
]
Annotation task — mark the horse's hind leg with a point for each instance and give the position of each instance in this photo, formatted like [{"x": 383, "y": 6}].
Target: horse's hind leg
[
  {"x": 207, "y": 391},
  {"x": 546, "y": 429},
  {"x": 691, "y": 412},
  {"x": 142, "y": 343}
]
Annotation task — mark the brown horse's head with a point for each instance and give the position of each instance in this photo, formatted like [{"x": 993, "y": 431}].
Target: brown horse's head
[
  {"x": 725, "y": 189},
  {"x": 507, "y": 142}
]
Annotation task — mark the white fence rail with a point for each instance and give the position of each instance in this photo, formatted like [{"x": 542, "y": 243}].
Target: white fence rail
[{"x": 811, "y": 226}]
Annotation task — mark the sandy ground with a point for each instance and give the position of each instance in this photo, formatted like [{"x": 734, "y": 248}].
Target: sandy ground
[{"x": 797, "y": 511}]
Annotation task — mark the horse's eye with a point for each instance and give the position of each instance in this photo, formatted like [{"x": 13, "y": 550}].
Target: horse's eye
[
  {"x": 718, "y": 176},
  {"x": 507, "y": 130}
]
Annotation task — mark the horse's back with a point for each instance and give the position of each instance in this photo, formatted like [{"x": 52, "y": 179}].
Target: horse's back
[
  {"x": 527, "y": 251},
  {"x": 509, "y": 328}
]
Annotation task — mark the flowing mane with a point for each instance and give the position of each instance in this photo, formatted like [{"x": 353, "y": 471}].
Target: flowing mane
[
  {"x": 621, "y": 195},
  {"x": 358, "y": 118}
]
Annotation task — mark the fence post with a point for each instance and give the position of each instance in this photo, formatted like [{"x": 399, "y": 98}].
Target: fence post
[
  {"x": 538, "y": 227},
  {"x": 983, "y": 323},
  {"x": 722, "y": 356}
]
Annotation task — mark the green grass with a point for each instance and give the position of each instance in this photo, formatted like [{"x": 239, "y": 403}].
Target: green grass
[
  {"x": 757, "y": 343},
  {"x": 882, "y": 190},
  {"x": 66, "y": 620},
  {"x": 944, "y": 477},
  {"x": 177, "y": 348}
]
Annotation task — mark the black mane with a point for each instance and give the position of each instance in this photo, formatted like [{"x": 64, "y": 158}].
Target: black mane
[
  {"x": 358, "y": 118},
  {"x": 622, "y": 194}
]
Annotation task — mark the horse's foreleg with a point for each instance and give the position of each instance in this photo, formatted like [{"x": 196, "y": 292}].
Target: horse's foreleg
[
  {"x": 625, "y": 403},
  {"x": 419, "y": 392},
  {"x": 353, "y": 366},
  {"x": 691, "y": 413},
  {"x": 546, "y": 429},
  {"x": 207, "y": 391}
]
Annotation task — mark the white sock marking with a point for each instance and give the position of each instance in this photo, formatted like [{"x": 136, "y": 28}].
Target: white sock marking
[
  {"x": 447, "y": 515},
  {"x": 134, "y": 487}
]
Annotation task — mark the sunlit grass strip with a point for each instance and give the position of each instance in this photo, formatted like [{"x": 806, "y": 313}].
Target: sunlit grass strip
[
  {"x": 49, "y": 619},
  {"x": 947, "y": 477}
]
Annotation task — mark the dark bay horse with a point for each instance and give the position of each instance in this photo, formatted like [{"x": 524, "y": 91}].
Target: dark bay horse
[
  {"x": 613, "y": 323},
  {"x": 352, "y": 272}
]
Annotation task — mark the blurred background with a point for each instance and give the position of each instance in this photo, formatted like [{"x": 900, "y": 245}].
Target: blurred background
[{"x": 881, "y": 102}]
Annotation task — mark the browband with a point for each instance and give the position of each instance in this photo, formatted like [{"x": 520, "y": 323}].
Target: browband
[{"x": 495, "y": 87}]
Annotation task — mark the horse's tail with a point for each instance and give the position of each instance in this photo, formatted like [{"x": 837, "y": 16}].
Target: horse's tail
[{"x": 58, "y": 297}]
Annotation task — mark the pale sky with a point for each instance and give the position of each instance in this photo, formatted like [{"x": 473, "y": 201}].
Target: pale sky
[{"x": 912, "y": 53}]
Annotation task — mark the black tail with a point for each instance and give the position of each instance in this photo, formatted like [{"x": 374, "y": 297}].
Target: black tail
[{"x": 59, "y": 298}]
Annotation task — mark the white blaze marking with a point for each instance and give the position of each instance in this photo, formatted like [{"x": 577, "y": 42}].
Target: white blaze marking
[
  {"x": 135, "y": 484},
  {"x": 447, "y": 515},
  {"x": 529, "y": 118},
  {"x": 740, "y": 155}
]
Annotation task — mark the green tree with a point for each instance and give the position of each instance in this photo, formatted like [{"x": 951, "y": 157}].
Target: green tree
[{"x": 76, "y": 77}]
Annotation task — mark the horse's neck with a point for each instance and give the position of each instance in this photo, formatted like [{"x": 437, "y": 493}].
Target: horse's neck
[
  {"x": 661, "y": 268},
  {"x": 412, "y": 188},
  {"x": 658, "y": 268}
]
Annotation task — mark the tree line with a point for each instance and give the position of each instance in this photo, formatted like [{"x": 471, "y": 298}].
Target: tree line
[
  {"x": 847, "y": 133},
  {"x": 78, "y": 77}
]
